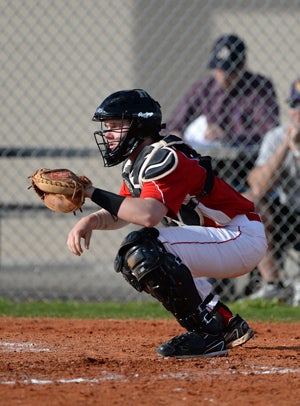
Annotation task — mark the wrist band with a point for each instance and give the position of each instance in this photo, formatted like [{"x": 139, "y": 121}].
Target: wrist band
[{"x": 107, "y": 200}]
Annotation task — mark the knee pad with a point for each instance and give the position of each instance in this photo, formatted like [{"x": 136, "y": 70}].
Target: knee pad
[
  {"x": 138, "y": 255},
  {"x": 140, "y": 252},
  {"x": 145, "y": 261}
]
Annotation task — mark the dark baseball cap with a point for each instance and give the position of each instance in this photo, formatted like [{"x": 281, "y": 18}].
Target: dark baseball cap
[
  {"x": 228, "y": 52},
  {"x": 294, "y": 99}
]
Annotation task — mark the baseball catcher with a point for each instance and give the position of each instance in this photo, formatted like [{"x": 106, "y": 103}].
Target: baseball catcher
[
  {"x": 216, "y": 234},
  {"x": 61, "y": 190}
]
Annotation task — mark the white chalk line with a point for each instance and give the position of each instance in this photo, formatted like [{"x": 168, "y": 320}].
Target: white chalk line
[
  {"x": 108, "y": 376},
  {"x": 20, "y": 347}
]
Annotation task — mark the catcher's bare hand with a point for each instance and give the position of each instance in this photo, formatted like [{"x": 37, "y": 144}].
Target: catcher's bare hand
[{"x": 82, "y": 230}]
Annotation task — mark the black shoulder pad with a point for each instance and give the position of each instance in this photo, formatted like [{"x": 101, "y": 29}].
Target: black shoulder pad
[{"x": 161, "y": 162}]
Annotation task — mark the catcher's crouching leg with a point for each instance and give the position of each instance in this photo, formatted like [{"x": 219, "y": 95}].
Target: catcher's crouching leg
[{"x": 148, "y": 267}]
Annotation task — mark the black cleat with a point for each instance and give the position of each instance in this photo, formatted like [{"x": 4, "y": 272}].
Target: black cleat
[
  {"x": 237, "y": 332},
  {"x": 193, "y": 345}
]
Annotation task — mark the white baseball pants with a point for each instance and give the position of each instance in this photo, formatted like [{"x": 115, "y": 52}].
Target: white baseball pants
[{"x": 210, "y": 252}]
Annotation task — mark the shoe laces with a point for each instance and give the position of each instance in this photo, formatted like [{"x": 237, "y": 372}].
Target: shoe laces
[{"x": 181, "y": 337}]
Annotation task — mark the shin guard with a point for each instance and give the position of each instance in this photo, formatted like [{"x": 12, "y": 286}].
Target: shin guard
[{"x": 166, "y": 278}]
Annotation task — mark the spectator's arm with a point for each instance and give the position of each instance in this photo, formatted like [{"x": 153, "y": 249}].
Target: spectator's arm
[{"x": 262, "y": 179}]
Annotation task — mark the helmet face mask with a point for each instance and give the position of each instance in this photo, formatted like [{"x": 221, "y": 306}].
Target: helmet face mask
[
  {"x": 142, "y": 112},
  {"x": 114, "y": 155}
]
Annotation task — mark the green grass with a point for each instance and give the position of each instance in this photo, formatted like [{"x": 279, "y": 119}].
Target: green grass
[
  {"x": 257, "y": 310},
  {"x": 103, "y": 310}
]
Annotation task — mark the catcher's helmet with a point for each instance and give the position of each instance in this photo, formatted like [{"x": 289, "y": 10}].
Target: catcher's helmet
[{"x": 145, "y": 118}]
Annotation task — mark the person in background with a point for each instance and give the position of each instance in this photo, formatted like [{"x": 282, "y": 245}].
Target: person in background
[
  {"x": 232, "y": 105},
  {"x": 275, "y": 183}
]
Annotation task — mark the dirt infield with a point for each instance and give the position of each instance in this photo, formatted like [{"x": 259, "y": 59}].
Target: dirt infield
[{"x": 108, "y": 362}]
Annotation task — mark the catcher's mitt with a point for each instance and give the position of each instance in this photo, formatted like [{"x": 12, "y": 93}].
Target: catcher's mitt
[{"x": 60, "y": 189}]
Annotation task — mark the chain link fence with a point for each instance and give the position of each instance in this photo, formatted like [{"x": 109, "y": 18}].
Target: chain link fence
[{"x": 59, "y": 60}]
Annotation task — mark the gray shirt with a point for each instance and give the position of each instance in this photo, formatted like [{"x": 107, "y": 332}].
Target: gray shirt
[{"x": 289, "y": 176}]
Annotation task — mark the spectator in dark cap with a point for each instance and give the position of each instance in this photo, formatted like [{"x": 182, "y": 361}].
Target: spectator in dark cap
[{"x": 233, "y": 105}]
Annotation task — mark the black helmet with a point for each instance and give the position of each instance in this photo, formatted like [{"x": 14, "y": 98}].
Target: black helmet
[{"x": 145, "y": 118}]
